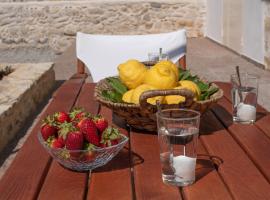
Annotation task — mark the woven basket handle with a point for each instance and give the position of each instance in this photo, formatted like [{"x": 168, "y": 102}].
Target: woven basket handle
[{"x": 189, "y": 95}]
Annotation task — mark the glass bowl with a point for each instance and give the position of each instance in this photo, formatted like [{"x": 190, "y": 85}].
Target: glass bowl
[{"x": 83, "y": 160}]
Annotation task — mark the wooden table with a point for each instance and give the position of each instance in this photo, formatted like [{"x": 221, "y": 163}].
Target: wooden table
[{"x": 233, "y": 160}]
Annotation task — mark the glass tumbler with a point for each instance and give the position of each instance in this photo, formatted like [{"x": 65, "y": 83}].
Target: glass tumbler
[
  {"x": 178, "y": 131},
  {"x": 244, "y": 97}
]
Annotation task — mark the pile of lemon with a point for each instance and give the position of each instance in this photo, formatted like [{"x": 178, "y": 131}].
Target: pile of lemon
[{"x": 163, "y": 75}]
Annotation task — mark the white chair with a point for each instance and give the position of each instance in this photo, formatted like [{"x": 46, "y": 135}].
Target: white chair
[{"x": 101, "y": 54}]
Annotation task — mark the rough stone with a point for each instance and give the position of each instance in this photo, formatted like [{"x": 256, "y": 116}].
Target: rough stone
[
  {"x": 155, "y": 5},
  {"x": 51, "y": 23},
  {"x": 20, "y": 93}
]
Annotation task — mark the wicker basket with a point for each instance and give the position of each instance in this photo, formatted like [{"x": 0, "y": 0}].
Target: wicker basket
[{"x": 143, "y": 116}]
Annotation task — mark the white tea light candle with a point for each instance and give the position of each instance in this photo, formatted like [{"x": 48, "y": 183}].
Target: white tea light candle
[
  {"x": 184, "y": 168},
  {"x": 246, "y": 112}
]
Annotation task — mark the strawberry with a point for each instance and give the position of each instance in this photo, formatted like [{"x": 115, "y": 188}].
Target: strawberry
[
  {"x": 89, "y": 130},
  {"x": 88, "y": 155},
  {"x": 48, "y": 128},
  {"x": 62, "y": 117},
  {"x": 110, "y": 136},
  {"x": 76, "y": 114},
  {"x": 55, "y": 143},
  {"x": 101, "y": 123},
  {"x": 64, "y": 130},
  {"x": 61, "y": 139},
  {"x": 74, "y": 140}
]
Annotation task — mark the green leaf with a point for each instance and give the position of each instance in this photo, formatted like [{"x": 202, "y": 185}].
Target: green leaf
[
  {"x": 203, "y": 96},
  {"x": 203, "y": 86},
  {"x": 184, "y": 75},
  {"x": 212, "y": 91},
  {"x": 192, "y": 78},
  {"x": 117, "y": 85},
  {"x": 208, "y": 93},
  {"x": 112, "y": 96}
]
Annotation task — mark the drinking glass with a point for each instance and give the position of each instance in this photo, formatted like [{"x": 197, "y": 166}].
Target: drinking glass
[
  {"x": 178, "y": 131},
  {"x": 244, "y": 97}
]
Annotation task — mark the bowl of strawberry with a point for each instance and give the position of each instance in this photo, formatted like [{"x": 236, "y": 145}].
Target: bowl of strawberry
[{"x": 79, "y": 140}]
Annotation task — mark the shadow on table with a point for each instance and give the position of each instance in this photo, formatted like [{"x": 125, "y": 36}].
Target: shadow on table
[
  {"x": 209, "y": 123},
  {"x": 121, "y": 161},
  {"x": 120, "y": 122},
  {"x": 206, "y": 164}
]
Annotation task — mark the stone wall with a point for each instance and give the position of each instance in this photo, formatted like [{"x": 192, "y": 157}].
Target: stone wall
[
  {"x": 53, "y": 24},
  {"x": 20, "y": 94},
  {"x": 267, "y": 34}
]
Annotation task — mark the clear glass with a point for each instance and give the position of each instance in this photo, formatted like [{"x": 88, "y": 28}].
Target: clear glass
[
  {"x": 154, "y": 57},
  {"x": 178, "y": 131},
  {"x": 244, "y": 98}
]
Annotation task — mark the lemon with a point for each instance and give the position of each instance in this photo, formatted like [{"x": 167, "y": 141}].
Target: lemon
[
  {"x": 127, "y": 96},
  {"x": 160, "y": 77},
  {"x": 132, "y": 73},
  {"x": 175, "y": 99},
  {"x": 191, "y": 86},
  {"x": 142, "y": 88},
  {"x": 171, "y": 65}
]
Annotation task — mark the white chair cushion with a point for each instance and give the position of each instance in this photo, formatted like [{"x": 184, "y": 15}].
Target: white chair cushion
[{"x": 103, "y": 53}]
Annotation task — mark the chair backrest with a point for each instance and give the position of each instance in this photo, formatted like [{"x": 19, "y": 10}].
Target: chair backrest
[{"x": 101, "y": 54}]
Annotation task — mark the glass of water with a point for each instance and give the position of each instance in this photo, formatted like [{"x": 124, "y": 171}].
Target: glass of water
[
  {"x": 244, "y": 97},
  {"x": 178, "y": 131}
]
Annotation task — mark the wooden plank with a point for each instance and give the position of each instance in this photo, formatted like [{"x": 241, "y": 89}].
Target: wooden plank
[
  {"x": 113, "y": 180},
  {"x": 250, "y": 137},
  {"x": 62, "y": 183},
  {"x": 88, "y": 102},
  {"x": 263, "y": 124},
  {"x": 147, "y": 175},
  {"x": 209, "y": 184},
  {"x": 239, "y": 173},
  {"x": 25, "y": 176}
]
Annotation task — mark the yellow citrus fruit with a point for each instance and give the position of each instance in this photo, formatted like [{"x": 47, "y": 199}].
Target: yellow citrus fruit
[
  {"x": 127, "y": 96},
  {"x": 160, "y": 77},
  {"x": 175, "y": 99},
  {"x": 142, "y": 88},
  {"x": 191, "y": 86},
  {"x": 132, "y": 73},
  {"x": 171, "y": 65}
]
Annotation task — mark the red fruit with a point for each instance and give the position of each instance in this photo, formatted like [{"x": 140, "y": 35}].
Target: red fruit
[
  {"x": 90, "y": 154},
  {"x": 74, "y": 140},
  {"x": 48, "y": 128},
  {"x": 115, "y": 142},
  {"x": 79, "y": 124},
  {"x": 62, "y": 117},
  {"x": 47, "y": 131},
  {"x": 65, "y": 129},
  {"x": 89, "y": 130},
  {"x": 61, "y": 139},
  {"x": 56, "y": 143},
  {"x": 110, "y": 136},
  {"x": 101, "y": 123},
  {"x": 78, "y": 114}
]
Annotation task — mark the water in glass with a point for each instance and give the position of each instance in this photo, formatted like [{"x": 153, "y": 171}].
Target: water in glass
[{"x": 178, "y": 154}]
